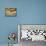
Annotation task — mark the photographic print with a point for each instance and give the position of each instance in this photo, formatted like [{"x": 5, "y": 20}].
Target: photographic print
[{"x": 10, "y": 11}]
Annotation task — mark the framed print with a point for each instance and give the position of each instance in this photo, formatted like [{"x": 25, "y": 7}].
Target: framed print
[{"x": 10, "y": 11}]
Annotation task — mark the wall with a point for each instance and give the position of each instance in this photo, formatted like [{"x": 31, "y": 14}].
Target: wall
[{"x": 28, "y": 12}]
